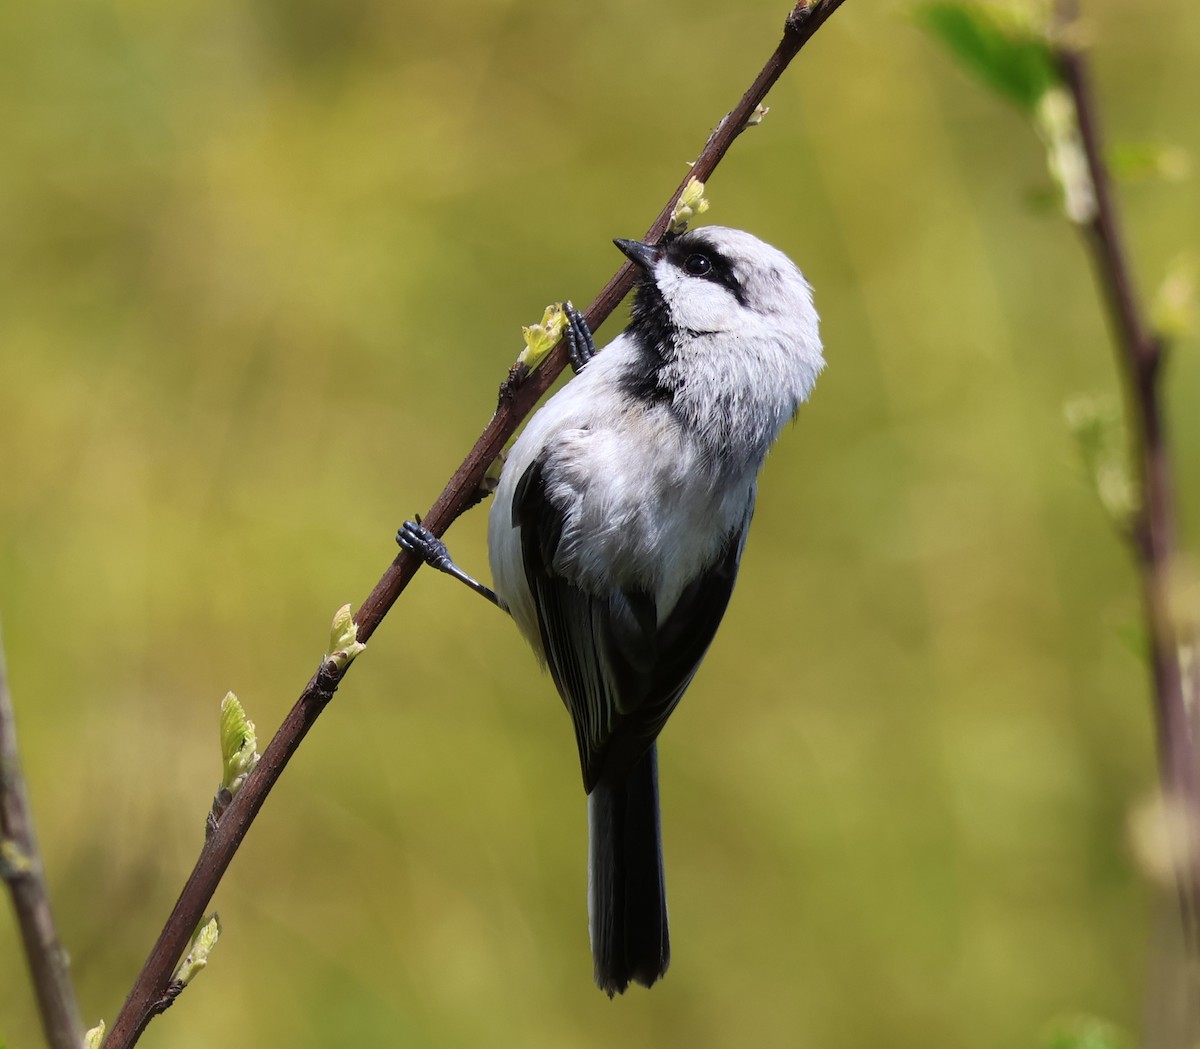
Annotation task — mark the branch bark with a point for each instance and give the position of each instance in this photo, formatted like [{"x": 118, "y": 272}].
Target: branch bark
[
  {"x": 21, "y": 868},
  {"x": 1140, "y": 357},
  {"x": 518, "y": 395}
]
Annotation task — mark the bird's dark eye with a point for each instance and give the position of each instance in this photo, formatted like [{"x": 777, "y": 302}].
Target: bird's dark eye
[{"x": 698, "y": 265}]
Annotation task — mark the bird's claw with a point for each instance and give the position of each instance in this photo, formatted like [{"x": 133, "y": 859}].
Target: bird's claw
[
  {"x": 421, "y": 542},
  {"x": 581, "y": 347}
]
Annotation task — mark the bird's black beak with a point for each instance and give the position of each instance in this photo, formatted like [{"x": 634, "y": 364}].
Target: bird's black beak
[{"x": 644, "y": 256}]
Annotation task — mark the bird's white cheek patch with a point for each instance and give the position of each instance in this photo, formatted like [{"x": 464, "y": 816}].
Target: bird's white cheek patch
[{"x": 696, "y": 304}]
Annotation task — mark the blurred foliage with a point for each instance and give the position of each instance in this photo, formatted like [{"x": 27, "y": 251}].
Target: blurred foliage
[
  {"x": 1100, "y": 435},
  {"x": 264, "y": 265},
  {"x": 1084, "y": 1032},
  {"x": 1002, "y": 44},
  {"x": 1007, "y": 46},
  {"x": 1173, "y": 312},
  {"x": 1148, "y": 161}
]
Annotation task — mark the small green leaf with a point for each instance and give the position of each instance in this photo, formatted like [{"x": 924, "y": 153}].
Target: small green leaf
[
  {"x": 204, "y": 940},
  {"x": 343, "y": 639},
  {"x": 94, "y": 1037},
  {"x": 239, "y": 744},
  {"x": 1005, "y": 47}
]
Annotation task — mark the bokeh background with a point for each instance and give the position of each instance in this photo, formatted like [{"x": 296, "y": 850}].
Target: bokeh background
[{"x": 262, "y": 266}]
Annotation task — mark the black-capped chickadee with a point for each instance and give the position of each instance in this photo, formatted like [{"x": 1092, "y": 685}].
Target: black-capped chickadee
[{"x": 618, "y": 526}]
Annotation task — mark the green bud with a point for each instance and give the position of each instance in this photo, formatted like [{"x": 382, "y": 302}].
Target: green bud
[
  {"x": 204, "y": 940},
  {"x": 691, "y": 203},
  {"x": 756, "y": 118},
  {"x": 343, "y": 639},
  {"x": 94, "y": 1037}
]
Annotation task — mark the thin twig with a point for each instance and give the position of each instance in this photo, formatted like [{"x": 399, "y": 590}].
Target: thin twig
[
  {"x": 1140, "y": 354},
  {"x": 518, "y": 396},
  {"x": 21, "y": 868}
]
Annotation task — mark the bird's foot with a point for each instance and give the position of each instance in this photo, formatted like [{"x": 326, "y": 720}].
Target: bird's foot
[
  {"x": 581, "y": 346},
  {"x": 421, "y": 542}
]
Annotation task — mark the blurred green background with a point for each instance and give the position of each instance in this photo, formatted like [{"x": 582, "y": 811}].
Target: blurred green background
[{"x": 262, "y": 266}]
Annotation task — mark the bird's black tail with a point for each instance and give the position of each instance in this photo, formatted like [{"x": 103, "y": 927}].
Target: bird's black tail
[{"x": 627, "y": 897}]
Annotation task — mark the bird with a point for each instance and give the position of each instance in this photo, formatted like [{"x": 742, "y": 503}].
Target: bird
[{"x": 618, "y": 527}]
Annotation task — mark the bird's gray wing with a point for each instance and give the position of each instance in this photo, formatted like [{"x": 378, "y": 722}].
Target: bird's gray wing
[{"x": 618, "y": 670}]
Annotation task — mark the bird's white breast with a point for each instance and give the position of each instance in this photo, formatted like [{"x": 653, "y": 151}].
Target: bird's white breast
[{"x": 642, "y": 506}]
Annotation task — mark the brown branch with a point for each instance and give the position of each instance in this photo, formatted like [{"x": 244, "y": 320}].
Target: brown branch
[
  {"x": 1140, "y": 354},
  {"x": 21, "y": 869},
  {"x": 517, "y": 397}
]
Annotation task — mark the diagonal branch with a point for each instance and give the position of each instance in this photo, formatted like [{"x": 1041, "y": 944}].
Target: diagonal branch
[
  {"x": 516, "y": 401},
  {"x": 518, "y": 395},
  {"x": 1140, "y": 354},
  {"x": 21, "y": 869}
]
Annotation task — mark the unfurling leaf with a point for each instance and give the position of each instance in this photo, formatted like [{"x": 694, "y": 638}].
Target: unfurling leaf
[
  {"x": 239, "y": 744},
  {"x": 541, "y": 338},
  {"x": 94, "y": 1037}
]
